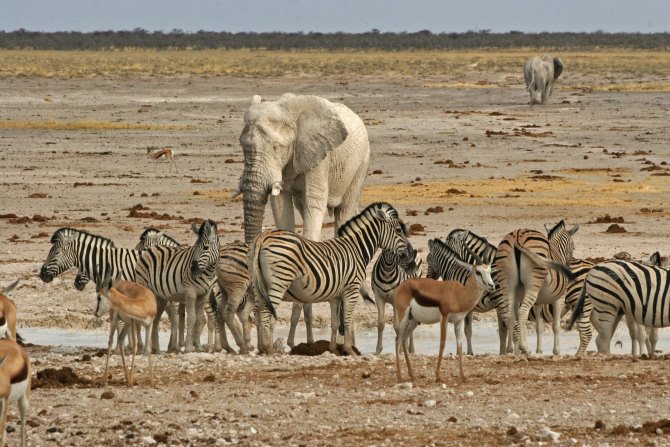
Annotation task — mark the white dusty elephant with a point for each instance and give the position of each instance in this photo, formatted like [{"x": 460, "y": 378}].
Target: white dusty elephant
[
  {"x": 540, "y": 73},
  {"x": 304, "y": 152}
]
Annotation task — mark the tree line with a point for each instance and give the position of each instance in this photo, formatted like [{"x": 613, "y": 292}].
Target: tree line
[{"x": 372, "y": 40}]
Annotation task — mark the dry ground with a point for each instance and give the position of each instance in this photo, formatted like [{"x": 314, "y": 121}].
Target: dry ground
[{"x": 72, "y": 154}]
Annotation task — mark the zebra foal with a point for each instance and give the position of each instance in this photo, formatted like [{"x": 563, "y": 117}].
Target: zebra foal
[{"x": 310, "y": 272}]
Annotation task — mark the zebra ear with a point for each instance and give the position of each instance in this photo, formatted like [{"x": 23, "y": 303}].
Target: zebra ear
[
  {"x": 573, "y": 230},
  {"x": 195, "y": 229},
  {"x": 548, "y": 228},
  {"x": 655, "y": 259},
  {"x": 381, "y": 215}
]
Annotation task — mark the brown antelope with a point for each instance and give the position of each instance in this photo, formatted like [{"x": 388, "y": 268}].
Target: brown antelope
[
  {"x": 15, "y": 374},
  {"x": 167, "y": 153},
  {"x": 133, "y": 303},
  {"x": 429, "y": 301},
  {"x": 7, "y": 313}
]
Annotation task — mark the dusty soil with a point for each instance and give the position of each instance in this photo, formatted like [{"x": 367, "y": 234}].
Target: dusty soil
[{"x": 446, "y": 156}]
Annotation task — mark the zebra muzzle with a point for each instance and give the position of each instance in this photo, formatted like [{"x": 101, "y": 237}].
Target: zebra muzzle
[{"x": 45, "y": 275}]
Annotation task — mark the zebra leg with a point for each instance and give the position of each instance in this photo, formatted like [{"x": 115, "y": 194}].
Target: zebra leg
[
  {"x": 636, "y": 343},
  {"x": 334, "y": 323},
  {"x": 182, "y": 320},
  {"x": 264, "y": 329},
  {"x": 172, "y": 311},
  {"x": 468, "y": 332},
  {"x": 246, "y": 319},
  {"x": 381, "y": 308},
  {"x": 584, "y": 326},
  {"x": 232, "y": 300},
  {"x": 652, "y": 339},
  {"x": 309, "y": 317},
  {"x": 191, "y": 315},
  {"x": 556, "y": 325},
  {"x": 539, "y": 323},
  {"x": 200, "y": 321},
  {"x": 349, "y": 300},
  {"x": 295, "y": 318},
  {"x": 606, "y": 329},
  {"x": 643, "y": 339},
  {"x": 529, "y": 301}
]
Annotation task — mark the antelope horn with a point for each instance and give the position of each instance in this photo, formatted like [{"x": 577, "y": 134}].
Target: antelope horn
[{"x": 478, "y": 260}]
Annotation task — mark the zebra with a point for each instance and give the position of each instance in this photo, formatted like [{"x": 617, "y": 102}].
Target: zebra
[
  {"x": 617, "y": 288},
  {"x": 182, "y": 274},
  {"x": 386, "y": 276},
  {"x": 646, "y": 337},
  {"x": 234, "y": 284},
  {"x": 282, "y": 261},
  {"x": 90, "y": 253},
  {"x": 525, "y": 261}
]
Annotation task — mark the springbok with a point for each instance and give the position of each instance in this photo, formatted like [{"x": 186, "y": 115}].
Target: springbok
[
  {"x": 429, "y": 301},
  {"x": 15, "y": 374},
  {"x": 133, "y": 303},
  {"x": 7, "y": 313},
  {"x": 167, "y": 153}
]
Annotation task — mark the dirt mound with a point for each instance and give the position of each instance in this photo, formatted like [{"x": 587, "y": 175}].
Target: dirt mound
[
  {"x": 58, "y": 378},
  {"x": 318, "y": 348},
  {"x": 615, "y": 228}
]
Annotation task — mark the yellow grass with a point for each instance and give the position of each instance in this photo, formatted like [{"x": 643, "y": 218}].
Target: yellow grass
[
  {"x": 85, "y": 125},
  {"x": 131, "y": 63}
]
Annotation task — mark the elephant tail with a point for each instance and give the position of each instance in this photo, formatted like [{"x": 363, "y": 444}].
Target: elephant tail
[
  {"x": 531, "y": 84},
  {"x": 257, "y": 278}
]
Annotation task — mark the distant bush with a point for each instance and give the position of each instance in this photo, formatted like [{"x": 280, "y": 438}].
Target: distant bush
[{"x": 372, "y": 40}]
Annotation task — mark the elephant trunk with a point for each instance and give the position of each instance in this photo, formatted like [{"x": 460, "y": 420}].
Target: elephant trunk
[{"x": 255, "y": 196}]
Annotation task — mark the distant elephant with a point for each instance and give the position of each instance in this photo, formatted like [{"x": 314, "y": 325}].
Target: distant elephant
[
  {"x": 540, "y": 73},
  {"x": 307, "y": 152}
]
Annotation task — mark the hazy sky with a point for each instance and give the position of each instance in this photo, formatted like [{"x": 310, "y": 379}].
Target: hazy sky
[{"x": 337, "y": 15}]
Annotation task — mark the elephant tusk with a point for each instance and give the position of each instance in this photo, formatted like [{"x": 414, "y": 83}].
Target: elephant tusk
[{"x": 276, "y": 189}]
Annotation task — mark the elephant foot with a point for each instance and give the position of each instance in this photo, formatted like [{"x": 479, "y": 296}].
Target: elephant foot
[
  {"x": 378, "y": 351},
  {"x": 556, "y": 352},
  {"x": 470, "y": 352}
]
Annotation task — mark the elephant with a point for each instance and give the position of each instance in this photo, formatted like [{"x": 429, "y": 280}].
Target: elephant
[
  {"x": 540, "y": 73},
  {"x": 305, "y": 152}
]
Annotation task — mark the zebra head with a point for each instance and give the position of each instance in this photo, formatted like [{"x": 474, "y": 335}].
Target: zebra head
[
  {"x": 393, "y": 232},
  {"x": 444, "y": 262},
  {"x": 560, "y": 241},
  {"x": 153, "y": 236},
  {"x": 62, "y": 256},
  {"x": 206, "y": 250}
]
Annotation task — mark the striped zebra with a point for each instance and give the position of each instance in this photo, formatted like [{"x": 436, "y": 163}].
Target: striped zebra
[
  {"x": 233, "y": 296},
  {"x": 532, "y": 270},
  {"x": 185, "y": 274},
  {"x": 284, "y": 262},
  {"x": 89, "y": 253},
  {"x": 387, "y": 274},
  {"x": 614, "y": 289}
]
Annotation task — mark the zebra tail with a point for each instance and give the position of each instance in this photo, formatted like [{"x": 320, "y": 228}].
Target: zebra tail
[
  {"x": 539, "y": 260},
  {"x": 579, "y": 308},
  {"x": 257, "y": 277},
  {"x": 366, "y": 296},
  {"x": 340, "y": 315}
]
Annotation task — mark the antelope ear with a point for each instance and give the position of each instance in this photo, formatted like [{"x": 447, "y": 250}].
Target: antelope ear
[
  {"x": 319, "y": 130},
  {"x": 574, "y": 230},
  {"x": 10, "y": 287},
  {"x": 256, "y": 99}
]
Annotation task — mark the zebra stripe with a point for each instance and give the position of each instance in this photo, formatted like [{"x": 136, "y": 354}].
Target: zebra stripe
[
  {"x": 182, "y": 273},
  {"x": 623, "y": 288},
  {"x": 309, "y": 272},
  {"x": 525, "y": 261}
]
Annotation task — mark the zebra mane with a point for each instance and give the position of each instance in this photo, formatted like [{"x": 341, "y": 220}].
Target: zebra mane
[
  {"x": 556, "y": 228},
  {"x": 148, "y": 233},
  {"x": 67, "y": 231},
  {"x": 370, "y": 213},
  {"x": 439, "y": 244}
]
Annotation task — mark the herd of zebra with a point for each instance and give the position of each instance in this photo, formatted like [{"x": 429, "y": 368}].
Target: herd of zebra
[{"x": 536, "y": 279}]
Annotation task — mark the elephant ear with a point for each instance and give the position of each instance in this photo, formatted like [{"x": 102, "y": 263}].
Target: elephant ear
[
  {"x": 558, "y": 67},
  {"x": 319, "y": 130}
]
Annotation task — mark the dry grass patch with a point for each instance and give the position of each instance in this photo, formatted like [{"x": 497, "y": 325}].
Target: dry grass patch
[
  {"x": 85, "y": 125},
  {"x": 133, "y": 63}
]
